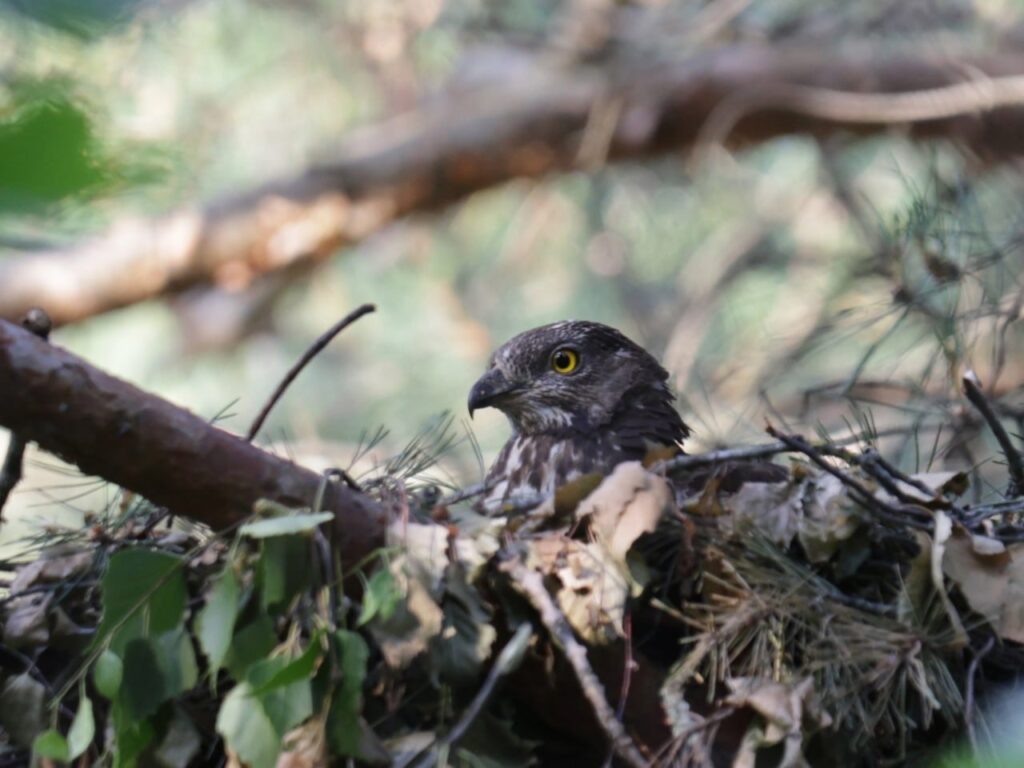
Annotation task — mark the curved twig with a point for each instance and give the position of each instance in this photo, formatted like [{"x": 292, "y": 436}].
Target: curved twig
[{"x": 314, "y": 349}]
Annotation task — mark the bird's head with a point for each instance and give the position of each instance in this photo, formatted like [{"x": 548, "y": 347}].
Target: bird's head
[{"x": 570, "y": 376}]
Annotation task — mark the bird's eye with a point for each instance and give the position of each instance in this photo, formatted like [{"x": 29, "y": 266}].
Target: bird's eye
[{"x": 564, "y": 360}]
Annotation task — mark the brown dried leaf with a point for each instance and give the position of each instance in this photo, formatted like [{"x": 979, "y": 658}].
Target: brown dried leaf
[
  {"x": 789, "y": 712},
  {"x": 305, "y": 746},
  {"x": 991, "y": 577},
  {"x": 626, "y": 505},
  {"x": 58, "y": 564},
  {"x": 829, "y": 518},
  {"x": 593, "y": 589},
  {"x": 28, "y": 622},
  {"x": 941, "y": 534},
  {"x": 415, "y": 622}
]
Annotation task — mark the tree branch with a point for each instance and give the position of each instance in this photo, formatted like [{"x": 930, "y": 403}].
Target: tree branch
[
  {"x": 137, "y": 440},
  {"x": 526, "y": 124}
]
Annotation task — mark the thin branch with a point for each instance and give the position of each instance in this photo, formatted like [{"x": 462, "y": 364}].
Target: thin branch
[
  {"x": 1014, "y": 463},
  {"x": 742, "y": 453},
  {"x": 860, "y": 494},
  {"x": 314, "y": 349},
  {"x": 531, "y": 584},
  {"x": 509, "y": 658}
]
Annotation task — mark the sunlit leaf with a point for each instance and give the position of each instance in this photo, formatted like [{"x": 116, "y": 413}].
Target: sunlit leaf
[
  {"x": 285, "y": 525},
  {"x": 380, "y": 597},
  {"x": 247, "y": 729},
  {"x": 215, "y": 623},
  {"x": 83, "y": 728},
  {"x": 107, "y": 674}
]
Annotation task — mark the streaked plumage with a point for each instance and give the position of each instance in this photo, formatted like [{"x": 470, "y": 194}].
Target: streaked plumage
[{"x": 614, "y": 406}]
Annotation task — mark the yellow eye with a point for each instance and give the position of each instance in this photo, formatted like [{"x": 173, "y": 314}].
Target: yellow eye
[{"x": 564, "y": 360}]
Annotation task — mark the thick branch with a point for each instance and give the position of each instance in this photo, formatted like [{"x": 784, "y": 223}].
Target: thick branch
[
  {"x": 114, "y": 430},
  {"x": 535, "y": 121}
]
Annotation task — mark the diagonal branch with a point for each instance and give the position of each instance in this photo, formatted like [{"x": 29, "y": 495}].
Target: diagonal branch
[
  {"x": 137, "y": 440},
  {"x": 527, "y": 124}
]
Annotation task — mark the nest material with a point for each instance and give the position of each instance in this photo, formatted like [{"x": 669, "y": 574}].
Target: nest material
[{"x": 712, "y": 627}]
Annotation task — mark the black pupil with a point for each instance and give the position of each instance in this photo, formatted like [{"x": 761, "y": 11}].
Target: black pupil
[{"x": 562, "y": 360}]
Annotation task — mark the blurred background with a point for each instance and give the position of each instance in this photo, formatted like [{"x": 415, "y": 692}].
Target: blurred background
[{"x": 843, "y": 284}]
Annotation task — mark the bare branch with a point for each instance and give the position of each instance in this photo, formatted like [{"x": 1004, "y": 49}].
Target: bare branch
[
  {"x": 526, "y": 125},
  {"x": 1014, "y": 463}
]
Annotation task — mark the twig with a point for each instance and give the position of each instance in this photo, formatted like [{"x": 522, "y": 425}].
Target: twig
[
  {"x": 509, "y": 658},
  {"x": 972, "y": 671},
  {"x": 694, "y": 461},
  {"x": 303, "y": 361},
  {"x": 861, "y": 495},
  {"x": 38, "y": 322},
  {"x": 531, "y": 584},
  {"x": 679, "y": 741},
  {"x": 469, "y": 492},
  {"x": 1014, "y": 463}
]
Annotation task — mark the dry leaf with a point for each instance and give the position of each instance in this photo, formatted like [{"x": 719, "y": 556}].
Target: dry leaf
[
  {"x": 593, "y": 589},
  {"x": 416, "y": 619},
  {"x": 991, "y": 577},
  {"x": 58, "y": 564},
  {"x": 626, "y": 505},
  {"x": 943, "y": 529},
  {"x": 790, "y": 713},
  {"x": 305, "y": 746},
  {"x": 828, "y": 517}
]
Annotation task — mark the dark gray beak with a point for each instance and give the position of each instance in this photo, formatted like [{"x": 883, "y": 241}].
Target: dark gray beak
[{"x": 489, "y": 390}]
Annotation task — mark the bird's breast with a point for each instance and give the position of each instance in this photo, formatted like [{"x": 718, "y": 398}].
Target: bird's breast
[{"x": 532, "y": 465}]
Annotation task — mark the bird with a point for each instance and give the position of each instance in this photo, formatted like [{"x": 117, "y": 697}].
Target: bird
[{"x": 581, "y": 398}]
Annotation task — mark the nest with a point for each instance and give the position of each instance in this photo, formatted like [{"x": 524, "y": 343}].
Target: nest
[{"x": 831, "y": 611}]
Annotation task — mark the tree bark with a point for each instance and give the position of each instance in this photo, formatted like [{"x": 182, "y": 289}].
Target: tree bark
[
  {"x": 537, "y": 120},
  {"x": 141, "y": 442}
]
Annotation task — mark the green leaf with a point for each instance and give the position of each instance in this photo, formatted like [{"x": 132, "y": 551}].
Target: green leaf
[
  {"x": 107, "y": 673},
  {"x": 215, "y": 623},
  {"x": 83, "y": 728},
  {"x": 247, "y": 729},
  {"x": 155, "y": 670},
  {"x": 251, "y": 644},
  {"x": 286, "y": 525},
  {"x": 52, "y": 745},
  {"x": 131, "y": 736},
  {"x": 284, "y": 570},
  {"x": 147, "y": 586},
  {"x": 285, "y": 705},
  {"x": 380, "y": 597},
  {"x": 268, "y": 675},
  {"x": 343, "y": 727}
]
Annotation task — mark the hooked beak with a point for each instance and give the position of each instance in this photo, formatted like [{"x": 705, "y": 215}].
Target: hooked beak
[{"x": 489, "y": 390}]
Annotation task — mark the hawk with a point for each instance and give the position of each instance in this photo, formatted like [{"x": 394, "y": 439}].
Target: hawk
[{"x": 581, "y": 398}]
